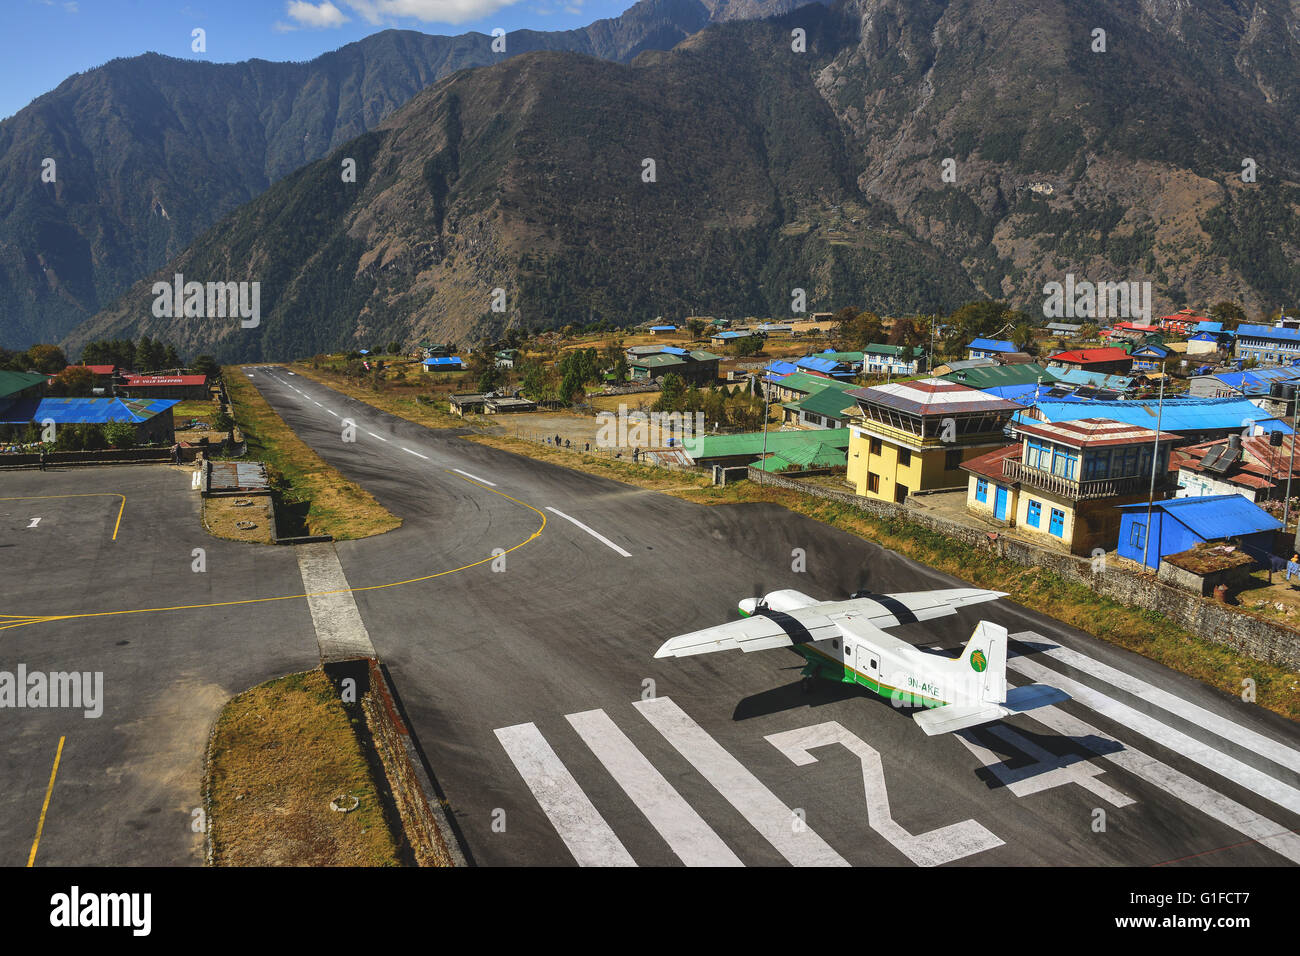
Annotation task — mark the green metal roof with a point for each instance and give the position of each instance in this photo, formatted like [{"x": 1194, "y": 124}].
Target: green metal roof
[
  {"x": 656, "y": 361},
  {"x": 989, "y": 376},
  {"x": 828, "y": 401},
  {"x": 805, "y": 456},
  {"x": 14, "y": 382},
  {"x": 699, "y": 355},
  {"x": 751, "y": 443},
  {"x": 803, "y": 382},
  {"x": 850, "y": 358}
]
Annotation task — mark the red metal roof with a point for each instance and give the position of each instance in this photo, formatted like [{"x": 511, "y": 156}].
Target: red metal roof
[
  {"x": 1095, "y": 433},
  {"x": 101, "y": 369},
  {"x": 990, "y": 465},
  {"x": 1090, "y": 356},
  {"x": 149, "y": 381}
]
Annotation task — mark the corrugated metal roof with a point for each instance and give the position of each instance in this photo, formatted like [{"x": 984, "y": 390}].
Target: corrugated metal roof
[
  {"x": 805, "y": 456},
  {"x": 78, "y": 411},
  {"x": 932, "y": 396},
  {"x": 818, "y": 364},
  {"x": 1215, "y": 516},
  {"x": 805, "y": 382},
  {"x": 238, "y": 476},
  {"x": 751, "y": 443},
  {"x": 11, "y": 382},
  {"x": 1179, "y": 414},
  {"x": 1079, "y": 376},
  {"x": 1269, "y": 332},
  {"x": 986, "y": 376},
  {"x": 992, "y": 345}
]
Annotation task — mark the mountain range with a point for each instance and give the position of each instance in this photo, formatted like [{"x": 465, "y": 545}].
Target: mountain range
[
  {"x": 910, "y": 155},
  {"x": 150, "y": 151}
]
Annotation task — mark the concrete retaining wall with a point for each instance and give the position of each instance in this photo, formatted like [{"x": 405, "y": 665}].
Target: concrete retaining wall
[
  {"x": 1220, "y": 623},
  {"x": 109, "y": 456}
]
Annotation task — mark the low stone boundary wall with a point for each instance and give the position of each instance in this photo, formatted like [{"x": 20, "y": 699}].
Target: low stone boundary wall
[
  {"x": 109, "y": 456},
  {"x": 432, "y": 839},
  {"x": 1220, "y": 623}
]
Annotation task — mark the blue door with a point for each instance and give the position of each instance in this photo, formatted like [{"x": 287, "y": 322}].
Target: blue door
[
  {"x": 1058, "y": 523},
  {"x": 1000, "y": 505}
]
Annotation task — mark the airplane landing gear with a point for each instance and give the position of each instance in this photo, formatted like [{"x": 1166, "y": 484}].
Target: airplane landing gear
[{"x": 807, "y": 685}]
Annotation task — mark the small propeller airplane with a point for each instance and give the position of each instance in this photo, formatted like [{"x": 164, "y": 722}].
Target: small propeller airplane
[{"x": 844, "y": 641}]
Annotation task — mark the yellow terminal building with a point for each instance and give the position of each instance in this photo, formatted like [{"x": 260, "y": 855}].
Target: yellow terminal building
[{"x": 914, "y": 436}]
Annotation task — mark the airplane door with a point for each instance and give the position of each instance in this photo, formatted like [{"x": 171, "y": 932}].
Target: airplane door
[{"x": 868, "y": 663}]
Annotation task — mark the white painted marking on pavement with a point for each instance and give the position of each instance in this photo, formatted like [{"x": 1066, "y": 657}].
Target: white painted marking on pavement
[
  {"x": 490, "y": 484},
  {"x": 1233, "y": 769},
  {"x": 1264, "y": 746},
  {"x": 595, "y": 534},
  {"x": 932, "y": 848},
  {"x": 687, "y": 834},
  {"x": 373, "y": 435},
  {"x": 1192, "y": 792},
  {"x": 332, "y": 412},
  {"x": 759, "y": 805},
  {"x": 415, "y": 453},
  {"x": 575, "y": 818}
]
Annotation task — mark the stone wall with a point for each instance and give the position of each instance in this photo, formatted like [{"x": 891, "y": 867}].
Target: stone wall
[{"x": 1223, "y": 624}]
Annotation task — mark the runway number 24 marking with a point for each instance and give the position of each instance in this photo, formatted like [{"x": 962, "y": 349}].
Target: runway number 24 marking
[{"x": 933, "y": 848}]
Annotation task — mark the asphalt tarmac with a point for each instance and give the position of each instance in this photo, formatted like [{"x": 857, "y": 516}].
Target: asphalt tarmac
[{"x": 530, "y": 681}]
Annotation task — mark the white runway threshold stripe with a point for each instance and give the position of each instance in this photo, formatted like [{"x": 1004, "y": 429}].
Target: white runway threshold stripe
[
  {"x": 755, "y": 802},
  {"x": 687, "y": 834},
  {"x": 1270, "y": 788},
  {"x": 575, "y": 818},
  {"x": 591, "y": 531},
  {"x": 482, "y": 481},
  {"x": 1230, "y": 730},
  {"x": 415, "y": 453}
]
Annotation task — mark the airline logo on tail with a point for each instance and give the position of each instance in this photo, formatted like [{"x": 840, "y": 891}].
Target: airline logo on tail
[{"x": 978, "y": 662}]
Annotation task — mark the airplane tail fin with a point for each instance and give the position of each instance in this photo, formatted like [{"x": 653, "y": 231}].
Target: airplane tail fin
[{"x": 982, "y": 667}]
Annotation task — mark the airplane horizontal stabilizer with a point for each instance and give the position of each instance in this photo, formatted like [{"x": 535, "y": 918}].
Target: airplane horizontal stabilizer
[{"x": 950, "y": 717}]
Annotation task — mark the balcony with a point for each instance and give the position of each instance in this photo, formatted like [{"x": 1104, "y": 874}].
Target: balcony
[{"x": 1070, "y": 488}]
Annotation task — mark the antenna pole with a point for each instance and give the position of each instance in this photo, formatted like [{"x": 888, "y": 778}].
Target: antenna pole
[{"x": 1155, "y": 461}]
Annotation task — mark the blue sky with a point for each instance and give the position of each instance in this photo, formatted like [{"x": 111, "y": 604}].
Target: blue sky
[{"x": 49, "y": 40}]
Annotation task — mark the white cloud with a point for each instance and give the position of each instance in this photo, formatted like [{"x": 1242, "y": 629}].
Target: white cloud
[
  {"x": 427, "y": 11},
  {"x": 312, "y": 16}
]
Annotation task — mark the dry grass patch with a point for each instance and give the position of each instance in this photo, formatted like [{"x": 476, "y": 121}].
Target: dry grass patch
[
  {"x": 400, "y": 400},
  {"x": 221, "y": 517},
  {"x": 313, "y": 498},
  {"x": 280, "y": 753}
]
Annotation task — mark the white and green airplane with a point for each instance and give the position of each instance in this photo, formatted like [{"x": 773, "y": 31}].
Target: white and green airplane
[{"x": 844, "y": 641}]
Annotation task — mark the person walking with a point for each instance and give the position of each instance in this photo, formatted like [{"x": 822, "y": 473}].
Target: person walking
[{"x": 42, "y": 461}]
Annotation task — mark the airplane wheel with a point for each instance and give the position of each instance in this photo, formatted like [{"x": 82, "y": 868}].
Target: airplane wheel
[{"x": 806, "y": 685}]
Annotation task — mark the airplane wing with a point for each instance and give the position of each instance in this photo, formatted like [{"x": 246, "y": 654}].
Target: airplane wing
[
  {"x": 887, "y": 610},
  {"x": 759, "y": 632}
]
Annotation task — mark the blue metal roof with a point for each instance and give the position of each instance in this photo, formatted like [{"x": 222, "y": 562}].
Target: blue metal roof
[
  {"x": 818, "y": 364},
  {"x": 663, "y": 328},
  {"x": 674, "y": 350},
  {"x": 1215, "y": 516},
  {"x": 78, "y": 411},
  {"x": 1179, "y": 414},
  {"x": 448, "y": 360},
  {"x": 1023, "y": 394},
  {"x": 1158, "y": 350},
  {"x": 733, "y": 335},
  {"x": 992, "y": 345},
  {"x": 1078, "y": 376},
  {"x": 1269, "y": 332}
]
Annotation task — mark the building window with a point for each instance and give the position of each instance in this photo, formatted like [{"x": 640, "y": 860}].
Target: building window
[
  {"x": 904, "y": 457},
  {"x": 1034, "y": 513},
  {"x": 982, "y": 490},
  {"x": 873, "y": 481},
  {"x": 952, "y": 459},
  {"x": 1137, "y": 534},
  {"x": 1057, "y": 527},
  {"x": 875, "y": 446}
]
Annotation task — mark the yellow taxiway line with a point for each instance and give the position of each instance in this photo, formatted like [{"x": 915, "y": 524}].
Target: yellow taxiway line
[
  {"x": 49, "y": 791},
  {"x": 19, "y": 620}
]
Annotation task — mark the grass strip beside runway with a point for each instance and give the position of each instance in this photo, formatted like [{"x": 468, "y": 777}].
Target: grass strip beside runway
[
  {"x": 280, "y": 753},
  {"x": 313, "y": 498}
]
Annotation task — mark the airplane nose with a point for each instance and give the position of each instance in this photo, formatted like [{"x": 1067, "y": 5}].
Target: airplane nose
[{"x": 747, "y": 606}]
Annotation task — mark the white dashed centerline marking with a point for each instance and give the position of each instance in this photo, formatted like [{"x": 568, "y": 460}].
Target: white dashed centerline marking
[
  {"x": 373, "y": 435},
  {"x": 490, "y": 484},
  {"x": 595, "y": 534},
  {"x": 415, "y": 453}
]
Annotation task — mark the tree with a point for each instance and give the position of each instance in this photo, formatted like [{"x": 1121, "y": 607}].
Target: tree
[
  {"x": 1022, "y": 337},
  {"x": 171, "y": 358},
  {"x": 749, "y": 345},
  {"x": 46, "y": 358},
  {"x": 490, "y": 378},
  {"x": 120, "y": 434},
  {"x": 672, "y": 389},
  {"x": 205, "y": 365},
  {"x": 696, "y": 328},
  {"x": 1229, "y": 313},
  {"x": 75, "y": 381}
]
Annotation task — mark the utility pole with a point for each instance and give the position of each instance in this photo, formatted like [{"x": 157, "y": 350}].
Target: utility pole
[
  {"x": 1286, "y": 507},
  {"x": 767, "y": 398},
  {"x": 1155, "y": 462}
]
